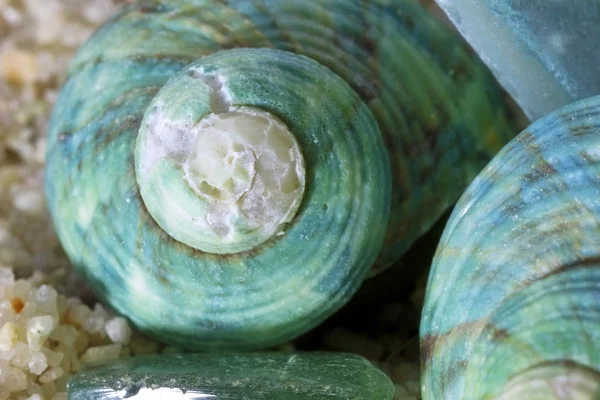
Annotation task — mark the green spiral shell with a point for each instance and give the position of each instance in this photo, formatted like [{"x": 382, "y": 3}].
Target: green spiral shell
[
  {"x": 512, "y": 308},
  {"x": 392, "y": 114}
]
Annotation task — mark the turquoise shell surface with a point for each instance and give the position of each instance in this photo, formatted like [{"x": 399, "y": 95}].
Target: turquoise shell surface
[
  {"x": 512, "y": 308},
  {"x": 417, "y": 117}
]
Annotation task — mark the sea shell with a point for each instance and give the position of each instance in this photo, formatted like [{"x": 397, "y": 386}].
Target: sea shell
[
  {"x": 512, "y": 308},
  {"x": 386, "y": 115},
  {"x": 256, "y": 376}
]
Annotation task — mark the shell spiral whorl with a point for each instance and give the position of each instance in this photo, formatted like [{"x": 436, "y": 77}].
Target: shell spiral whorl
[
  {"x": 512, "y": 308},
  {"x": 282, "y": 148},
  {"x": 321, "y": 111}
]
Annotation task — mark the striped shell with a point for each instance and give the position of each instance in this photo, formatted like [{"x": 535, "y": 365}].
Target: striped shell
[
  {"x": 391, "y": 113},
  {"x": 512, "y": 309}
]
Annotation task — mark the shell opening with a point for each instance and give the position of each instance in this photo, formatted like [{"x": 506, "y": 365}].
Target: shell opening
[{"x": 248, "y": 167}]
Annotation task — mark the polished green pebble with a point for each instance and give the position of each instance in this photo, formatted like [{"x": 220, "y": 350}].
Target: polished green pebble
[
  {"x": 252, "y": 376},
  {"x": 543, "y": 52}
]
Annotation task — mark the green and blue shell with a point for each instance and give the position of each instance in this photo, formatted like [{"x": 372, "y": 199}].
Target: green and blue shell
[
  {"x": 512, "y": 309},
  {"x": 226, "y": 173}
]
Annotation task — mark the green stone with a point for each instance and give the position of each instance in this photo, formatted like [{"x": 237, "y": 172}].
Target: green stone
[
  {"x": 252, "y": 376},
  {"x": 545, "y": 53}
]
